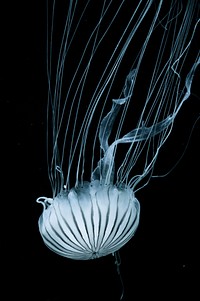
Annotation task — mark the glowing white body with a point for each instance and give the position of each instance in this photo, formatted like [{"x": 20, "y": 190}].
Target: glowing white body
[
  {"x": 98, "y": 217},
  {"x": 90, "y": 221}
]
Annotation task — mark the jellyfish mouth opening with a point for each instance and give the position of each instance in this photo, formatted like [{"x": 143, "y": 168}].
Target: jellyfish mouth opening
[
  {"x": 90, "y": 221},
  {"x": 95, "y": 255}
]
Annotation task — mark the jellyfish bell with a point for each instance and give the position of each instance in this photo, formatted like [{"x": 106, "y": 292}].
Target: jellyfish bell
[
  {"x": 95, "y": 217},
  {"x": 89, "y": 221}
]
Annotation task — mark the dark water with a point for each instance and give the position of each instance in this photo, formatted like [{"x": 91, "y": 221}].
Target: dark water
[{"x": 161, "y": 260}]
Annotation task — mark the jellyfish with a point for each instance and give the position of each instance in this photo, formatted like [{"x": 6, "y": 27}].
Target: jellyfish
[{"x": 116, "y": 83}]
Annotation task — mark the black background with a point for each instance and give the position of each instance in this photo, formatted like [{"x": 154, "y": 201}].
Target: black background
[{"x": 162, "y": 260}]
